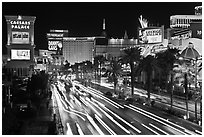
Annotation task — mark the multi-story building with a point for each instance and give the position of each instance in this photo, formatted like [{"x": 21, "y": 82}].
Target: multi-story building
[
  {"x": 185, "y": 29},
  {"x": 183, "y": 21},
  {"x": 20, "y": 45},
  {"x": 78, "y": 49}
]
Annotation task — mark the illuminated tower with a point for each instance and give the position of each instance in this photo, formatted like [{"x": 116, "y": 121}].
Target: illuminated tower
[{"x": 104, "y": 29}]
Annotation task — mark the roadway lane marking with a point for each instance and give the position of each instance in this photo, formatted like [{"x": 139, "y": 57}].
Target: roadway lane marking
[
  {"x": 150, "y": 129},
  {"x": 155, "y": 119},
  {"x": 79, "y": 129},
  {"x": 123, "y": 120},
  {"x": 159, "y": 129},
  {"x": 104, "y": 125},
  {"x": 94, "y": 124},
  {"x": 69, "y": 130}
]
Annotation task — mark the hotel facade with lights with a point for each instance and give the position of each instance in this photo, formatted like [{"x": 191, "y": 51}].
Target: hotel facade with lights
[{"x": 20, "y": 45}]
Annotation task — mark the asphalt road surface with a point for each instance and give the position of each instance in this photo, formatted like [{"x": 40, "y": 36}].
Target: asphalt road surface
[{"x": 86, "y": 111}]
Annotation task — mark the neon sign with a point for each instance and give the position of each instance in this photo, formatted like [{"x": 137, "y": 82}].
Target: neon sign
[
  {"x": 20, "y": 37},
  {"x": 20, "y": 54},
  {"x": 150, "y": 35},
  {"x": 20, "y": 24},
  {"x": 53, "y": 45}
]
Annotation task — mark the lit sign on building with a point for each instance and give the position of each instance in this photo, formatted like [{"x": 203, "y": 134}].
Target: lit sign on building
[
  {"x": 53, "y": 45},
  {"x": 17, "y": 54},
  {"x": 150, "y": 35},
  {"x": 20, "y": 29},
  {"x": 20, "y": 37},
  {"x": 20, "y": 24},
  {"x": 55, "y": 38}
]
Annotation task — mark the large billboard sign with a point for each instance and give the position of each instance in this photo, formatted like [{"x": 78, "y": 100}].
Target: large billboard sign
[
  {"x": 20, "y": 29},
  {"x": 150, "y": 35},
  {"x": 55, "y": 38},
  {"x": 54, "y": 45},
  {"x": 20, "y": 37},
  {"x": 20, "y": 54}
]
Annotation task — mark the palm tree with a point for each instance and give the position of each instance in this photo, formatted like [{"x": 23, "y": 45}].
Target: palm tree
[
  {"x": 166, "y": 61},
  {"x": 114, "y": 72},
  {"x": 148, "y": 65},
  {"x": 132, "y": 57},
  {"x": 86, "y": 69},
  {"x": 98, "y": 61},
  {"x": 75, "y": 68}
]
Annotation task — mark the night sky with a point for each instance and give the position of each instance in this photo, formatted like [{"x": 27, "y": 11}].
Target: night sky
[{"x": 85, "y": 19}]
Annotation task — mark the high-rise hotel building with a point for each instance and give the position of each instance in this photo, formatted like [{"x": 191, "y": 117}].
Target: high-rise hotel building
[{"x": 78, "y": 49}]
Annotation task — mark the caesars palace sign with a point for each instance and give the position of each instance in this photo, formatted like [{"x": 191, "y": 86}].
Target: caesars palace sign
[{"x": 20, "y": 24}]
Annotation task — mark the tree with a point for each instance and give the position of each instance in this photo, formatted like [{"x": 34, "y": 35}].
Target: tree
[
  {"x": 75, "y": 69},
  {"x": 98, "y": 61},
  {"x": 114, "y": 72},
  {"x": 166, "y": 61},
  {"x": 86, "y": 68},
  {"x": 148, "y": 65},
  {"x": 132, "y": 57}
]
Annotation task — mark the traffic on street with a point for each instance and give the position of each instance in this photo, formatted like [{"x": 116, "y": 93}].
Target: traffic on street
[{"x": 86, "y": 111}]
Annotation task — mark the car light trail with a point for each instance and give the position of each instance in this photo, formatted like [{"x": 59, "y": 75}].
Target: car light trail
[
  {"x": 77, "y": 101},
  {"x": 79, "y": 129},
  {"x": 198, "y": 132},
  {"x": 78, "y": 112},
  {"x": 83, "y": 101},
  {"x": 94, "y": 124},
  {"x": 69, "y": 130},
  {"x": 105, "y": 98},
  {"x": 57, "y": 96},
  {"x": 74, "y": 114},
  {"x": 65, "y": 109},
  {"x": 109, "y": 101},
  {"x": 123, "y": 120},
  {"x": 106, "y": 126},
  {"x": 95, "y": 90},
  {"x": 88, "y": 102},
  {"x": 155, "y": 119},
  {"x": 111, "y": 118},
  {"x": 150, "y": 129},
  {"x": 158, "y": 129},
  {"x": 98, "y": 102},
  {"x": 165, "y": 121}
]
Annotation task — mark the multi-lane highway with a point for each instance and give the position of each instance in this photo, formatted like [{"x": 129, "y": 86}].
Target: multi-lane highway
[{"x": 86, "y": 111}]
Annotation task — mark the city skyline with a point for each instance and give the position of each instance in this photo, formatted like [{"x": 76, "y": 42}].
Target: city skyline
[{"x": 86, "y": 18}]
